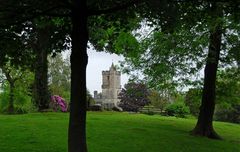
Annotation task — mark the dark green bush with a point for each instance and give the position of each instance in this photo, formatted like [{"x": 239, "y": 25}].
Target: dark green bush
[
  {"x": 228, "y": 113},
  {"x": 177, "y": 109}
]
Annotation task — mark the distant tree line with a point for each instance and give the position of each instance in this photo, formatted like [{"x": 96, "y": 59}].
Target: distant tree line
[{"x": 137, "y": 97}]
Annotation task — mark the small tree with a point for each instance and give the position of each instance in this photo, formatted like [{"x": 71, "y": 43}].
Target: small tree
[
  {"x": 157, "y": 100},
  {"x": 134, "y": 96},
  {"x": 193, "y": 100},
  {"x": 16, "y": 83}
]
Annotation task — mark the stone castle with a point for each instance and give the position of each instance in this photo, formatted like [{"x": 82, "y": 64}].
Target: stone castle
[{"x": 111, "y": 87}]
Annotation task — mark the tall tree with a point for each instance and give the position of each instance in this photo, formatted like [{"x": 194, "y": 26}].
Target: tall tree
[
  {"x": 204, "y": 125},
  {"x": 169, "y": 57},
  {"x": 15, "y": 59},
  {"x": 78, "y": 11},
  {"x": 44, "y": 36},
  {"x": 41, "y": 93}
]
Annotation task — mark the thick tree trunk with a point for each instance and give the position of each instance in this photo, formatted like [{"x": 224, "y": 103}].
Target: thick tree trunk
[
  {"x": 41, "y": 91},
  {"x": 204, "y": 126},
  {"x": 41, "y": 81},
  {"x": 79, "y": 59}
]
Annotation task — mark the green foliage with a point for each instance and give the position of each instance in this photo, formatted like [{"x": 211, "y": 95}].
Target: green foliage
[
  {"x": 126, "y": 43},
  {"x": 22, "y": 101},
  {"x": 113, "y": 32},
  {"x": 178, "y": 97},
  {"x": 193, "y": 100},
  {"x": 228, "y": 86},
  {"x": 21, "y": 82},
  {"x": 157, "y": 100},
  {"x": 177, "y": 109},
  {"x": 167, "y": 60},
  {"x": 133, "y": 97},
  {"x": 59, "y": 76},
  {"x": 4, "y": 97},
  {"x": 228, "y": 98},
  {"x": 227, "y": 112}
]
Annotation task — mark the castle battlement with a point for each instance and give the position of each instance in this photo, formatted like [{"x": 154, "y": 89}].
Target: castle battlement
[{"x": 105, "y": 72}]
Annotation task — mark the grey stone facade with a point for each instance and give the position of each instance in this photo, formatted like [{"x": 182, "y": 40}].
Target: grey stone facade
[{"x": 111, "y": 87}]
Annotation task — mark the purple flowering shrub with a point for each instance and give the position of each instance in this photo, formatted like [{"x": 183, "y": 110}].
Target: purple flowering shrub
[{"x": 58, "y": 102}]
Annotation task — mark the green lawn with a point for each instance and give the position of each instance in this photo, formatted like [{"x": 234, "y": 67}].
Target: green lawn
[{"x": 113, "y": 132}]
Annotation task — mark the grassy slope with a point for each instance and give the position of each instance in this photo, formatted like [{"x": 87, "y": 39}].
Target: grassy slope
[{"x": 113, "y": 132}]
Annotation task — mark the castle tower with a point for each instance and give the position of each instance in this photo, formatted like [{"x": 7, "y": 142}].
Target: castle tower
[{"x": 111, "y": 87}]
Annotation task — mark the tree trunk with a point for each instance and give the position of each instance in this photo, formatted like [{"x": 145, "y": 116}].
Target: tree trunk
[
  {"x": 11, "y": 82},
  {"x": 41, "y": 92},
  {"x": 204, "y": 126},
  {"x": 11, "y": 98},
  {"x": 79, "y": 59}
]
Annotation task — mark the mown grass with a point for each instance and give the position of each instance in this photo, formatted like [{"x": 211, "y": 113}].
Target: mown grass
[{"x": 113, "y": 132}]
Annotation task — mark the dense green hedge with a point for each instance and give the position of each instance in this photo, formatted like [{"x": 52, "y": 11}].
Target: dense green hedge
[{"x": 177, "y": 109}]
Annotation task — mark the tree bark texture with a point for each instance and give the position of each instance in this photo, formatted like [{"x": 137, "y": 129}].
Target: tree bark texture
[
  {"x": 79, "y": 59},
  {"x": 41, "y": 91},
  {"x": 204, "y": 126}
]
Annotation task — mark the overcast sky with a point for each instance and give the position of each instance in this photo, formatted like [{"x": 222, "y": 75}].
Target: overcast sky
[{"x": 97, "y": 62}]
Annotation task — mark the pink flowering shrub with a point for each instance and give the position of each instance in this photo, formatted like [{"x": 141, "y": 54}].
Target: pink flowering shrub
[{"x": 58, "y": 102}]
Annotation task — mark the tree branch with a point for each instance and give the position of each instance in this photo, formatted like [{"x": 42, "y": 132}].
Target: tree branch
[
  {"x": 6, "y": 72},
  {"x": 13, "y": 18},
  {"x": 114, "y": 9}
]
